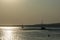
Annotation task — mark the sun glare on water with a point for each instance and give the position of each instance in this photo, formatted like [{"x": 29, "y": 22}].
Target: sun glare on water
[
  {"x": 8, "y": 28},
  {"x": 7, "y": 32}
]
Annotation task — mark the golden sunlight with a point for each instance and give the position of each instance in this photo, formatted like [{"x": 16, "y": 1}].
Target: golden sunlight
[{"x": 8, "y": 27}]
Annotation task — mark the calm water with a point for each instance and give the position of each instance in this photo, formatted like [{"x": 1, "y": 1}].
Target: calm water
[
  {"x": 16, "y": 33},
  {"x": 55, "y": 34}
]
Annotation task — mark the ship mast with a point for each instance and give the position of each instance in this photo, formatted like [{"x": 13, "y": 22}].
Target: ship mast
[
  {"x": 42, "y": 23},
  {"x": 22, "y": 26}
]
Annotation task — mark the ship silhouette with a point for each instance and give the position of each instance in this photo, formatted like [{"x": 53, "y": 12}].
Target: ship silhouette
[{"x": 42, "y": 27}]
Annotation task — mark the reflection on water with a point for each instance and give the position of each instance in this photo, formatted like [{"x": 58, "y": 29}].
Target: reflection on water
[
  {"x": 7, "y": 33},
  {"x": 14, "y": 33}
]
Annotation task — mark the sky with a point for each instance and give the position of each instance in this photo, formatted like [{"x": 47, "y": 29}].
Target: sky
[{"x": 29, "y": 11}]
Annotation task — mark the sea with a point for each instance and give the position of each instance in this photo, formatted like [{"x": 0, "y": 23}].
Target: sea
[{"x": 16, "y": 33}]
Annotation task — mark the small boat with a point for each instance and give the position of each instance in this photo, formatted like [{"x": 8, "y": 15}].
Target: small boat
[
  {"x": 43, "y": 28},
  {"x": 22, "y": 26}
]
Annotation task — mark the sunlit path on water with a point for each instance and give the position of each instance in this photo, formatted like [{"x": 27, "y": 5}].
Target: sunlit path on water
[
  {"x": 7, "y": 33},
  {"x": 15, "y": 33}
]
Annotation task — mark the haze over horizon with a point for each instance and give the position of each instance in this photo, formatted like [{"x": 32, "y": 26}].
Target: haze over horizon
[{"x": 29, "y": 11}]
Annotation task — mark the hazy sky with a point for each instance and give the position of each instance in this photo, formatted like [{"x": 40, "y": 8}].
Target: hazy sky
[{"x": 29, "y": 11}]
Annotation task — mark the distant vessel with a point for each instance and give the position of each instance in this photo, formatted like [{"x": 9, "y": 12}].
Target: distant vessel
[
  {"x": 42, "y": 27},
  {"x": 22, "y": 26}
]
